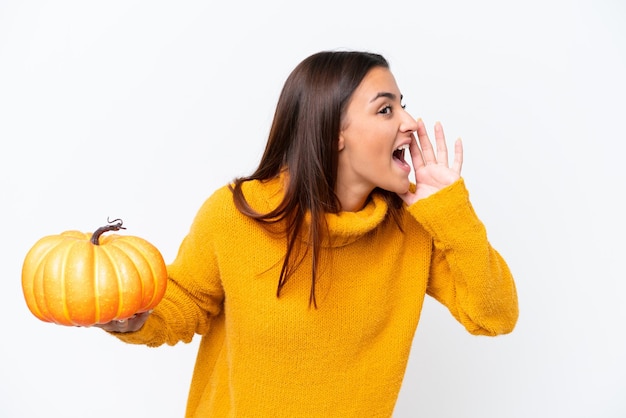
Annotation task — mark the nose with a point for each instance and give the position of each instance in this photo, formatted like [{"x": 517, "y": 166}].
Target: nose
[{"x": 408, "y": 123}]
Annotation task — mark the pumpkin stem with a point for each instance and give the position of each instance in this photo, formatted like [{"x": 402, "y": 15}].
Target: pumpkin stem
[{"x": 114, "y": 225}]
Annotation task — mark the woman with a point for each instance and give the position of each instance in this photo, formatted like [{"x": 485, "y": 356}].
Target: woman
[{"x": 306, "y": 279}]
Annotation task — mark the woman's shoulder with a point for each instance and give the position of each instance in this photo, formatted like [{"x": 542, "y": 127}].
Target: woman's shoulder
[
  {"x": 218, "y": 199},
  {"x": 262, "y": 196}
]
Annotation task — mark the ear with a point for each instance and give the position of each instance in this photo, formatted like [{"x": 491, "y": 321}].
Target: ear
[{"x": 341, "y": 142}]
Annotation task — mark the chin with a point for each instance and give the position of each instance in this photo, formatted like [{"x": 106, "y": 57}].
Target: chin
[
  {"x": 404, "y": 187},
  {"x": 400, "y": 188}
]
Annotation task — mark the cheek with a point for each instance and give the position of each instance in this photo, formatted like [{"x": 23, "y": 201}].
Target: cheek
[
  {"x": 374, "y": 156},
  {"x": 369, "y": 145},
  {"x": 379, "y": 145}
]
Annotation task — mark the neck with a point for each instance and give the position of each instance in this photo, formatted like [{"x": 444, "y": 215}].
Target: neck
[{"x": 351, "y": 199}]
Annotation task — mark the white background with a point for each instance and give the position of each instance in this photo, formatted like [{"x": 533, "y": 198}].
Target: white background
[{"x": 141, "y": 110}]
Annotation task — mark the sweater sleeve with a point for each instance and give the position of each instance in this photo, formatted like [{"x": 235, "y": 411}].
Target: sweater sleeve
[
  {"x": 194, "y": 294},
  {"x": 467, "y": 275}
]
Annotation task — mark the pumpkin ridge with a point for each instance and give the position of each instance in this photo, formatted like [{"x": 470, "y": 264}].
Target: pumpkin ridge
[
  {"x": 37, "y": 307},
  {"x": 96, "y": 288},
  {"x": 140, "y": 246},
  {"x": 139, "y": 253},
  {"x": 105, "y": 251},
  {"x": 63, "y": 283},
  {"x": 76, "y": 286},
  {"x": 61, "y": 273},
  {"x": 34, "y": 286}
]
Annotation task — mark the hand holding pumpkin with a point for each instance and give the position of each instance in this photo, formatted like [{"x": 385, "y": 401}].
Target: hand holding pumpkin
[
  {"x": 80, "y": 279},
  {"x": 132, "y": 324}
]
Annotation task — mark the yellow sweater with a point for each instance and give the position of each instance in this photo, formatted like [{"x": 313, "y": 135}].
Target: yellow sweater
[{"x": 263, "y": 356}]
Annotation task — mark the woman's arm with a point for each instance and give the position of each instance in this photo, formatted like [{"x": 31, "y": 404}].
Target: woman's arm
[
  {"x": 467, "y": 274},
  {"x": 194, "y": 294}
]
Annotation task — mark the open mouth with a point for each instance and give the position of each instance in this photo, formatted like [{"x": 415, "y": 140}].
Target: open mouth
[{"x": 398, "y": 153}]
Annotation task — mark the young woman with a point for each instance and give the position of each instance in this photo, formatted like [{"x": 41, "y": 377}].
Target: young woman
[{"x": 307, "y": 278}]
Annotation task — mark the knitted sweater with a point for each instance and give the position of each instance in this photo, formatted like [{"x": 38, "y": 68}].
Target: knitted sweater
[{"x": 263, "y": 356}]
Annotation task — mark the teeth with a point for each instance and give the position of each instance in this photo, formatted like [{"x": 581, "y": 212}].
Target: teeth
[{"x": 403, "y": 147}]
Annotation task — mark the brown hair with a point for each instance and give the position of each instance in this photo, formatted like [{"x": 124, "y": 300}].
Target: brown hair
[{"x": 303, "y": 141}]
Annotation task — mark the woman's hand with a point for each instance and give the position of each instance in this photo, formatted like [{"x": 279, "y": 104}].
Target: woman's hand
[
  {"x": 432, "y": 172},
  {"x": 132, "y": 324}
]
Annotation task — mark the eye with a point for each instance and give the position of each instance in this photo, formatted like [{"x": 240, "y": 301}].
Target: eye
[{"x": 386, "y": 110}]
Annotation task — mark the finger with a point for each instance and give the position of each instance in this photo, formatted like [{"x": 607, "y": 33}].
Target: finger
[
  {"x": 131, "y": 324},
  {"x": 428, "y": 153},
  {"x": 440, "y": 141},
  {"x": 457, "y": 164},
  {"x": 121, "y": 325},
  {"x": 416, "y": 154},
  {"x": 136, "y": 322}
]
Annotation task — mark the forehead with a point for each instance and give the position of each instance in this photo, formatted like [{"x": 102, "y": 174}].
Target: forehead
[{"x": 377, "y": 81}]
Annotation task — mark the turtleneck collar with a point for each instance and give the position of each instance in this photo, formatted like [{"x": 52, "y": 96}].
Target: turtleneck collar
[
  {"x": 347, "y": 227},
  {"x": 344, "y": 227}
]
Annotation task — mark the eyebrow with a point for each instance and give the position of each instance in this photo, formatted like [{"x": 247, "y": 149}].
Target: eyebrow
[{"x": 388, "y": 95}]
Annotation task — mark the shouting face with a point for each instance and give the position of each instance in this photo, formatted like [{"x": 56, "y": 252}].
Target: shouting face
[{"x": 373, "y": 142}]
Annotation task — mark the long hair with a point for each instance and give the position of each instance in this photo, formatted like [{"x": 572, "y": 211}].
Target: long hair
[{"x": 303, "y": 140}]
